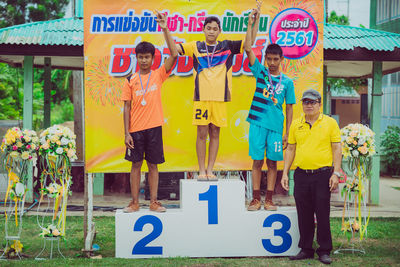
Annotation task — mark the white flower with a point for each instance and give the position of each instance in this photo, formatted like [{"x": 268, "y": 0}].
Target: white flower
[
  {"x": 355, "y": 153},
  {"x": 59, "y": 150},
  {"x": 19, "y": 189},
  {"x": 52, "y": 130},
  {"x": 43, "y": 140},
  {"x": 361, "y": 140},
  {"x": 64, "y": 141}
]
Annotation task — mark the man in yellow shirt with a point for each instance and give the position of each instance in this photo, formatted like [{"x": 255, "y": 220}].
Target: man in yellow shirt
[{"x": 314, "y": 144}]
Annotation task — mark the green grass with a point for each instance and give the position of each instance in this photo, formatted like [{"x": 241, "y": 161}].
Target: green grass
[
  {"x": 382, "y": 248},
  {"x": 396, "y": 187}
]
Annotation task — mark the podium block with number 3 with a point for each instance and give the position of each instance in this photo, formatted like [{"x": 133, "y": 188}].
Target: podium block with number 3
[{"x": 212, "y": 222}]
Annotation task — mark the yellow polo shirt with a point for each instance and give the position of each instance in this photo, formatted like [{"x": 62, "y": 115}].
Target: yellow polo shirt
[{"x": 314, "y": 144}]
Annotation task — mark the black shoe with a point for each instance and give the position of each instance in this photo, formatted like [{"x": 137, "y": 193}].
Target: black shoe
[
  {"x": 325, "y": 259},
  {"x": 301, "y": 256}
]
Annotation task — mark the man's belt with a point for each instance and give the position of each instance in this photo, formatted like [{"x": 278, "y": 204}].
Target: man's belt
[{"x": 323, "y": 169}]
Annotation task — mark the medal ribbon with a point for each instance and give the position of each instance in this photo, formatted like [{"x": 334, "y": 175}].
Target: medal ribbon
[
  {"x": 272, "y": 85},
  {"x": 147, "y": 85},
  {"x": 212, "y": 55}
]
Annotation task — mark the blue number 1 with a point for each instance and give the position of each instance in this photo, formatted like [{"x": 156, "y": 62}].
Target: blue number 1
[{"x": 212, "y": 197}]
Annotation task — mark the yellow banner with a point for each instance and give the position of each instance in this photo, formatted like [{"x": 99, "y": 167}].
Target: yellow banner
[{"x": 112, "y": 29}]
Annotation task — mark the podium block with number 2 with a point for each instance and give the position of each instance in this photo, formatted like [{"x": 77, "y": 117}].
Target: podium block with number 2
[{"x": 212, "y": 222}]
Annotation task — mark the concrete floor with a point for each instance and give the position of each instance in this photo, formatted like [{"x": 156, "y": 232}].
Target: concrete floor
[
  {"x": 389, "y": 205},
  {"x": 105, "y": 205}
]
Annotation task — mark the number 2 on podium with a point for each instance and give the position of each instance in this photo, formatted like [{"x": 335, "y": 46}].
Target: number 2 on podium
[{"x": 211, "y": 195}]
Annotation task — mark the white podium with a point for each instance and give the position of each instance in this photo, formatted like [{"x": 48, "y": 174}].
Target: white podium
[{"x": 212, "y": 222}]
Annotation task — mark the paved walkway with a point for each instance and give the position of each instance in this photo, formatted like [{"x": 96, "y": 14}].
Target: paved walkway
[{"x": 389, "y": 205}]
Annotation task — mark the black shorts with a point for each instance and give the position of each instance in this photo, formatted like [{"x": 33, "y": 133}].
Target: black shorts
[{"x": 148, "y": 143}]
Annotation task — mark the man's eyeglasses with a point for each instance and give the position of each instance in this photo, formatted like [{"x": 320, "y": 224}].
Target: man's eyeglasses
[{"x": 308, "y": 102}]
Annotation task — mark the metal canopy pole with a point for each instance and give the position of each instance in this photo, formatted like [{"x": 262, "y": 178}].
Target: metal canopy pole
[{"x": 376, "y": 112}]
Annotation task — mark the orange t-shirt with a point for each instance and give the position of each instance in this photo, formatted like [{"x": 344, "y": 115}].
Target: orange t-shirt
[{"x": 147, "y": 116}]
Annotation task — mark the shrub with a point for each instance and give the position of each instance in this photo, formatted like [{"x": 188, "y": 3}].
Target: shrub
[{"x": 391, "y": 149}]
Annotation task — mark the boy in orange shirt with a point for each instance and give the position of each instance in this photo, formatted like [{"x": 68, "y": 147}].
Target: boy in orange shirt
[{"x": 143, "y": 116}]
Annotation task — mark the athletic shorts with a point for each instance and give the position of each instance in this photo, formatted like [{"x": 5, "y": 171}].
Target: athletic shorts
[
  {"x": 264, "y": 142},
  {"x": 206, "y": 112},
  {"x": 148, "y": 144}
]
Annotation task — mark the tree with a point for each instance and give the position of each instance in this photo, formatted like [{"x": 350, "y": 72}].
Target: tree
[
  {"x": 333, "y": 18},
  {"x": 14, "y": 12},
  {"x": 341, "y": 84}
]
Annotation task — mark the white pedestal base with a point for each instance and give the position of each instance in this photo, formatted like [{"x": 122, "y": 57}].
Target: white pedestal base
[{"x": 212, "y": 222}]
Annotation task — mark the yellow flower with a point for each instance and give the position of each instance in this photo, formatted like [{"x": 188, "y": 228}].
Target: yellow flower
[
  {"x": 356, "y": 226},
  {"x": 58, "y": 143},
  {"x": 14, "y": 154},
  {"x": 46, "y": 146},
  {"x": 70, "y": 153},
  {"x": 19, "y": 144},
  {"x": 17, "y": 246},
  {"x": 25, "y": 155},
  {"x": 56, "y": 232},
  {"x": 353, "y": 133}
]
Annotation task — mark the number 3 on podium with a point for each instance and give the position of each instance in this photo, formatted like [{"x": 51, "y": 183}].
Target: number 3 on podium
[{"x": 211, "y": 195}]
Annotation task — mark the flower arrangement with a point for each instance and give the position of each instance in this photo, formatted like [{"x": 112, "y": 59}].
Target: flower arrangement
[
  {"x": 58, "y": 141},
  {"x": 53, "y": 190},
  {"x": 358, "y": 145},
  {"x": 51, "y": 231},
  {"x": 19, "y": 148},
  {"x": 13, "y": 250},
  {"x": 17, "y": 191},
  {"x": 57, "y": 151},
  {"x": 357, "y": 141},
  {"x": 20, "y": 144}
]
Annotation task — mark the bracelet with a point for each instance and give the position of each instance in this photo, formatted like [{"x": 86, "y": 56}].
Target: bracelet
[{"x": 337, "y": 174}]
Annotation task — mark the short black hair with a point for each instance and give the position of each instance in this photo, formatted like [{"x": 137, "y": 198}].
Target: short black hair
[
  {"x": 274, "y": 49},
  {"x": 211, "y": 19},
  {"x": 144, "y": 48}
]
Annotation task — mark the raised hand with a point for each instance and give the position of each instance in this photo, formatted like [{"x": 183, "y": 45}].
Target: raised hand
[
  {"x": 259, "y": 3},
  {"x": 161, "y": 19},
  {"x": 252, "y": 17}
]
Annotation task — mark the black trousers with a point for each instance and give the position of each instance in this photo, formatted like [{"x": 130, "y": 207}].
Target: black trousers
[{"x": 312, "y": 195}]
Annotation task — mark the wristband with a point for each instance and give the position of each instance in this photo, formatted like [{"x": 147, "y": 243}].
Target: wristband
[{"x": 337, "y": 174}]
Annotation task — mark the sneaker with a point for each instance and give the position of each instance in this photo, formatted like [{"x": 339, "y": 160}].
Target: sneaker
[
  {"x": 132, "y": 207},
  {"x": 254, "y": 205},
  {"x": 269, "y": 205},
  {"x": 157, "y": 207}
]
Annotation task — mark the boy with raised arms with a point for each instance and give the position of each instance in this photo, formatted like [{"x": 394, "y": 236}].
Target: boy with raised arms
[
  {"x": 212, "y": 71},
  {"x": 266, "y": 118}
]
